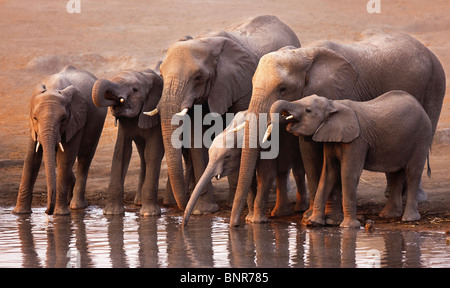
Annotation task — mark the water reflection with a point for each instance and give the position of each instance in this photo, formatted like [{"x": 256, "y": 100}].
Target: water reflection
[{"x": 90, "y": 239}]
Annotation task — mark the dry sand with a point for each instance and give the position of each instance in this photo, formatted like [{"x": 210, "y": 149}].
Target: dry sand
[{"x": 40, "y": 37}]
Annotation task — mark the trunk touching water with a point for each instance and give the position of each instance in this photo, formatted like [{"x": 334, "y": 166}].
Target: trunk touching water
[
  {"x": 201, "y": 185},
  {"x": 248, "y": 160},
  {"x": 48, "y": 146}
]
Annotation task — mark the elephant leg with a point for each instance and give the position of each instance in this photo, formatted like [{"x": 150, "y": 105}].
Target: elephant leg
[
  {"x": 140, "y": 145},
  {"x": 119, "y": 167},
  {"x": 413, "y": 178},
  {"x": 30, "y": 172},
  {"x": 312, "y": 156},
  {"x": 64, "y": 178},
  {"x": 282, "y": 204},
  {"x": 251, "y": 199},
  {"x": 265, "y": 177},
  {"x": 206, "y": 203},
  {"x": 301, "y": 203},
  {"x": 393, "y": 207},
  {"x": 329, "y": 178},
  {"x": 232, "y": 185},
  {"x": 154, "y": 153}
]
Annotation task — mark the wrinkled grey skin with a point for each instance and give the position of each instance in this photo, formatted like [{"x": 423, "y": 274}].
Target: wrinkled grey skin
[
  {"x": 214, "y": 70},
  {"x": 224, "y": 160},
  {"x": 360, "y": 72},
  {"x": 373, "y": 135},
  {"x": 61, "y": 111},
  {"x": 129, "y": 93}
]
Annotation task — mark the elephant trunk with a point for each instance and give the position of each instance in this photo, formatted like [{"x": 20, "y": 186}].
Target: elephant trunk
[
  {"x": 48, "y": 146},
  {"x": 169, "y": 105},
  {"x": 201, "y": 185},
  {"x": 281, "y": 105},
  {"x": 103, "y": 93},
  {"x": 249, "y": 158}
]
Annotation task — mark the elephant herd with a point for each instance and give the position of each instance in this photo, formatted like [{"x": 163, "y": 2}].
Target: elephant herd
[{"x": 333, "y": 109}]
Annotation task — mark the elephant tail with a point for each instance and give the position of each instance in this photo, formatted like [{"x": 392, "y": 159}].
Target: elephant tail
[{"x": 428, "y": 165}]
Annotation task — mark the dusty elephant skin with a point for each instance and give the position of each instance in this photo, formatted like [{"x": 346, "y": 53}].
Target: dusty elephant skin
[
  {"x": 129, "y": 93},
  {"x": 62, "y": 117},
  {"x": 215, "y": 70},
  {"x": 225, "y": 158},
  {"x": 361, "y": 71},
  {"x": 391, "y": 133}
]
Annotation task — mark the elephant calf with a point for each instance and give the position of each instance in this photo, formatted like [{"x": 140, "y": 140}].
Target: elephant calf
[
  {"x": 62, "y": 117},
  {"x": 129, "y": 93},
  {"x": 225, "y": 158},
  {"x": 391, "y": 133}
]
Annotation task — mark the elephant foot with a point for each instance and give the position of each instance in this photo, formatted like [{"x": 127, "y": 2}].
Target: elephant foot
[
  {"x": 389, "y": 212},
  {"x": 350, "y": 223},
  {"x": 78, "y": 204},
  {"x": 306, "y": 216},
  {"x": 259, "y": 218},
  {"x": 21, "y": 210},
  {"x": 421, "y": 196},
  {"x": 334, "y": 219},
  {"x": 315, "y": 220},
  {"x": 281, "y": 211},
  {"x": 205, "y": 206},
  {"x": 64, "y": 210},
  {"x": 113, "y": 209},
  {"x": 137, "y": 200},
  {"x": 249, "y": 217},
  {"x": 150, "y": 210},
  {"x": 411, "y": 215}
]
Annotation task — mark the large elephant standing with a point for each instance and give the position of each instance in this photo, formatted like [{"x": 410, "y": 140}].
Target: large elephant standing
[
  {"x": 361, "y": 71},
  {"x": 129, "y": 93},
  {"x": 215, "y": 70},
  {"x": 62, "y": 117}
]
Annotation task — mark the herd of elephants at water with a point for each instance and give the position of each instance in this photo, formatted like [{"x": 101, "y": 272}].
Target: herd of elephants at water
[{"x": 328, "y": 109}]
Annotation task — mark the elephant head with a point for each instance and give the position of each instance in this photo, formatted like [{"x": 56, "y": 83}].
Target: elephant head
[
  {"x": 129, "y": 94},
  {"x": 212, "y": 70},
  {"x": 224, "y": 158},
  {"x": 323, "y": 119},
  {"x": 55, "y": 117},
  {"x": 289, "y": 74}
]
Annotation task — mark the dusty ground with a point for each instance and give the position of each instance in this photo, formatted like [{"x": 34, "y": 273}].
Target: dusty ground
[{"x": 40, "y": 37}]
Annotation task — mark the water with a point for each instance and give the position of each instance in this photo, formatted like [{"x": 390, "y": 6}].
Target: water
[{"x": 90, "y": 239}]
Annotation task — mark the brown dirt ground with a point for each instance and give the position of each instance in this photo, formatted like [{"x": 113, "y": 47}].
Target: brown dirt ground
[{"x": 39, "y": 38}]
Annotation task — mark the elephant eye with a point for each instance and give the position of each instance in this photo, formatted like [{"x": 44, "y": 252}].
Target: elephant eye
[
  {"x": 135, "y": 89},
  {"x": 282, "y": 89},
  {"x": 35, "y": 119},
  {"x": 227, "y": 156},
  {"x": 308, "y": 110},
  {"x": 198, "y": 78}
]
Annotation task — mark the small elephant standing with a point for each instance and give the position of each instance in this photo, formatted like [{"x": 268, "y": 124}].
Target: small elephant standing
[
  {"x": 391, "y": 133},
  {"x": 225, "y": 158},
  {"x": 129, "y": 93},
  {"x": 62, "y": 117}
]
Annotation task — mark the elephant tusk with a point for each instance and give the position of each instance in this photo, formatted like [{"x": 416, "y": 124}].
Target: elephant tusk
[
  {"x": 218, "y": 177},
  {"x": 268, "y": 131},
  {"x": 240, "y": 127},
  {"x": 121, "y": 100},
  {"x": 61, "y": 147},
  {"x": 182, "y": 112},
  {"x": 152, "y": 113},
  {"x": 289, "y": 117},
  {"x": 37, "y": 146}
]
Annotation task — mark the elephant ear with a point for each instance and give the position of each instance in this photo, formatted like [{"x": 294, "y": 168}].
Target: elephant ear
[
  {"x": 339, "y": 125},
  {"x": 235, "y": 68},
  {"x": 329, "y": 74},
  {"x": 78, "y": 110},
  {"x": 155, "y": 84}
]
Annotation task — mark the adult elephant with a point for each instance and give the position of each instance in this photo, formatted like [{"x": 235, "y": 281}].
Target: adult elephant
[
  {"x": 215, "y": 70},
  {"x": 361, "y": 71},
  {"x": 65, "y": 126}
]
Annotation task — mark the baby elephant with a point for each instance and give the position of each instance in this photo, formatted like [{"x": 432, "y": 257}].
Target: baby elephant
[
  {"x": 225, "y": 158},
  {"x": 129, "y": 93},
  {"x": 65, "y": 126},
  {"x": 391, "y": 133}
]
